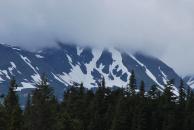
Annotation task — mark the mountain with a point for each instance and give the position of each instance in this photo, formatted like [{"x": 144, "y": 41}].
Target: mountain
[{"x": 71, "y": 64}]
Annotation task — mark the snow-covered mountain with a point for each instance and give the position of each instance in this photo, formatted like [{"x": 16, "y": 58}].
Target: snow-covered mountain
[{"x": 70, "y": 64}]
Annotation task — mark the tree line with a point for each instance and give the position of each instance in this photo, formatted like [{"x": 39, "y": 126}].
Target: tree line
[{"x": 105, "y": 109}]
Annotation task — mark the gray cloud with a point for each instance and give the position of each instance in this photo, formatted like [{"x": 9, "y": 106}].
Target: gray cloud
[{"x": 163, "y": 28}]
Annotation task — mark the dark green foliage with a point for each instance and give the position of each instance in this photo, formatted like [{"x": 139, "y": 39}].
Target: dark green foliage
[
  {"x": 65, "y": 122},
  {"x": 2, "y": 118},
  {"x": 182, "y": 94},
  {"x": 13, "y": 113},
  {"x": 142, "y": 89},
  {"x": 153, "y": 93},
  {"x": 168, "y": 96},
  {"x": 139, "y": 119},
  {"x": 43, "y": 107},
  {"x": 104, "y": 109},
  {"x": 132, "y": 84},
  {"x": 99, "y": 108}
]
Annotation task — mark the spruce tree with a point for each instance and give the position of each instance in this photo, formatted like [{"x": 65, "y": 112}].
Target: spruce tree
[
  {"x": 103, "y": 83},
  {"x": 99, "y": 107},
  {"x": 104, "y": 109},
  {"x": 168, "y": 95},
  {"x": 189, "y": 94},
  {"x": 43, "y": 117},
  {"x": 180, "y": 109},
  {"x": 153, "y": 93},
  {"x": 142, "y": 89},
  {"x": 12, "y": 108},
  {"x": 182, "y": 95},
  {"x": 132, "y": 84},
  {"x": 189, "y": 110},
  {"x": 122, "y": 117},
  {"x": 167, "y": 106},
  {"x": 82, "y": 89}
]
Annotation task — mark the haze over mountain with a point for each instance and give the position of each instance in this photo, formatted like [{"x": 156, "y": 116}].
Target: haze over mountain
[{"x": 162, "y": 28}]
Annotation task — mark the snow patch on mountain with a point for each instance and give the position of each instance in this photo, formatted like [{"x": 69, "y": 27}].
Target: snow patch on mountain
[
  {"x": 148, "y": 72},
  {"x": 69, "y": 59},
  {"x": 164, "y": 76},
  {"x": 36, "y": 78},
  {"x": 79, "y": 50},
  {"x": 39, "y": 56},
  {"x": 28, "y": 62},
  {"x": 25, "y": 86},
  {"x": 60, "y": 79},
  {"x": 76, "y": 75},
  {"x": 13, "y": 66},
  {"x": 190, "y": 82},
  {"x": 5, "y": 73}
]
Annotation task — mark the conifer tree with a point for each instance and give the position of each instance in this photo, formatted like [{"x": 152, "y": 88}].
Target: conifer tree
[
  {"x": 100, "y": 107},
  {"x": 132, "y": 84},
  {"x": 103, "y": 83},
  {"x": 152, "y": 93},
  {"x": 167, "y": 106},
  {"x": 168, "y": 95},
  {"x": 123, "y": 118},
  {"x": 189, "y": 110},
  {"x": 12, "y": 108},
  {"x": 82, "y": 89},
  {"x": 142, "y": 89},
  {"x": 43, "y": 117},
  {"x": 180, "y": 109},
  {"x": 189, "y": 94},
  {"x": 182, "y": 95}
]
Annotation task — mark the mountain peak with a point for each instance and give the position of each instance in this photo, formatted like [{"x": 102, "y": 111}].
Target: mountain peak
[{"x": 74, "y": 64}]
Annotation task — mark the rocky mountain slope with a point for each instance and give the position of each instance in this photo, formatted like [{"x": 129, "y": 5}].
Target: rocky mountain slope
[{"x": 70, "y": 64}]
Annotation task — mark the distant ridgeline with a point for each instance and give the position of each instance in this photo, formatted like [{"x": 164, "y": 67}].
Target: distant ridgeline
[{"x": 68, "y": 65}]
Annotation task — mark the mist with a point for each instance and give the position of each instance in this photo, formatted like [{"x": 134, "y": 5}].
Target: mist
[{"x": 161, "y": 28}]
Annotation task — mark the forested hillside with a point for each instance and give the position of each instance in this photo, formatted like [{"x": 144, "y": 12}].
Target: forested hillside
[{"x": 103, "y": 109}]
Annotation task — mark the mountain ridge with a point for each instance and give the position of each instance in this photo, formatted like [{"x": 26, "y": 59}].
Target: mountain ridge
[{"x": 69, "y": 64}]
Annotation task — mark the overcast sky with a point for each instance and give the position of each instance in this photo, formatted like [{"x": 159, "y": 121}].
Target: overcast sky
[{"x": 163, "y": 28}]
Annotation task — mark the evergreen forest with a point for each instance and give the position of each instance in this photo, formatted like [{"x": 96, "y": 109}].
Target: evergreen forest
[{"x": 104, "y": 108}]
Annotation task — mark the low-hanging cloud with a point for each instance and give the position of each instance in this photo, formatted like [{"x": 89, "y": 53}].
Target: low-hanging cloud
[{"x": 163, "y": 28}]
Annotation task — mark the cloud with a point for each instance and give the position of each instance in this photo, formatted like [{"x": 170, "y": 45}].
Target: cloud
[{"x": 163, "y": 28}]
